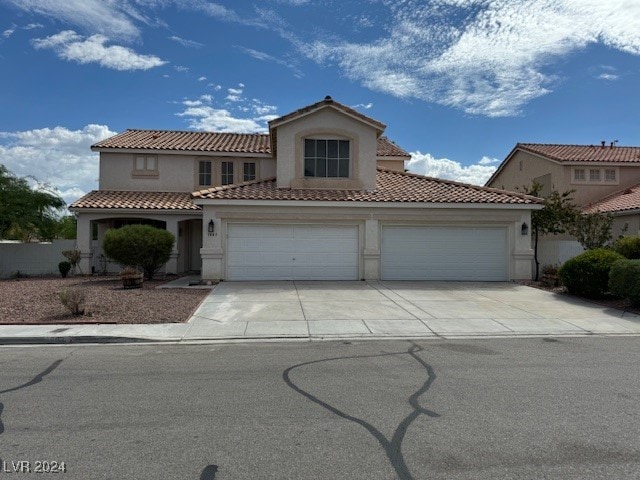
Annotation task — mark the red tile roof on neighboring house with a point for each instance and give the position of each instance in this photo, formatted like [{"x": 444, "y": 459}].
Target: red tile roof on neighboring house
[
  {"x": 112, "y": 199},
  {"x": 212, "y": 142},
  {"x": 392, "y": 186},
  {"x": 583, "y": 153},
  {"x": 326, "y": 102},
  {"x": 624, "y": 200}
]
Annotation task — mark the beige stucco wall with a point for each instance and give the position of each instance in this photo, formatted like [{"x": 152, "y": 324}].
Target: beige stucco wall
[
  {"x": 533, "y": 166},
  {"x": 176, "y": 173},
  {"x": 632, "y": 223},
  {"x": 370, "y": 221},
  {"x": 512, "y": 178},
  {"x": 397, "y": 165},
  {"x": 327, "y": 123}
]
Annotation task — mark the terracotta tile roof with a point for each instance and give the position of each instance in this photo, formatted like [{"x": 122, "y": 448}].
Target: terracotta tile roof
[
  {"x": 188, "y": 141},
  {"x": 583, "y": 153},
  {"x": 392, "y": 186},
  {"x": 212, "y": 142},
  {"x": 386, "y": 148},
  {"x": 327, "y": 101},
  {"x": 627, "y": 199},
  {"x": 112, "y": 199}
]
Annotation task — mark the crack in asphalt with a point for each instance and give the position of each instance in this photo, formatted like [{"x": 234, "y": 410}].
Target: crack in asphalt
[{"x": 393, "y": 447}]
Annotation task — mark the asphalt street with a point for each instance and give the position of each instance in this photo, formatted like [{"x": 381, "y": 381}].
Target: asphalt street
[{"x": 452, "y": 409}]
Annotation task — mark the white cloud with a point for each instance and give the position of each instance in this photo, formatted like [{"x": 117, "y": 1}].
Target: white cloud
[
  {"x": 112, "y": 18},
  {"x": 234, "y": 94},
  {"x": 33, "y": 26},
  {"x": 241, "y": 116},
  {"x": 186, "y": 43},
  {"x": 427, "y": 164},
  {"x": 265, "y": 57},
  {"x": 68, "y": 45},
  {"x": 219, "y": 120},
  {"x": 9, "y": 31},
  {"x": 608, "y": 76},
  {"x": 202, "y": 79},
  {"x": 365, "y": 106},
  {"x": 486, "y": 57},
  {"x": 180, "y": 68},
  {"x": 57, "y": 155}
]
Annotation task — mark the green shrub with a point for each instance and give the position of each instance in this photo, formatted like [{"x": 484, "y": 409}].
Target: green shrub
[
  {"x": 624, "y": 279},
  {"x": 588, "y": 273},
  {"x": 628, "y": 247},
  {"x": 142, "y": 246},
  {"x": 73, "y": 299},
  {"x": 64, "y": 268}
]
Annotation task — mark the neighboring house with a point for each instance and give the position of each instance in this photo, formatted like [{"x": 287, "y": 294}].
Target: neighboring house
[
  {"x": 323, "y": 196},
  {"x": 606, "y": 178}
]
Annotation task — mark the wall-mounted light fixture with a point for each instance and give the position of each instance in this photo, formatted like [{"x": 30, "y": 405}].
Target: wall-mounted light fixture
[
  {"x": 211, "y": 228},
  {"x": 524, "y": 230}
]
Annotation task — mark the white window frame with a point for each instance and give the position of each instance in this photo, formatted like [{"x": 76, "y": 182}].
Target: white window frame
[
  {"x": 245, "y": 174},
  {"x": 225, "y": 176},
  {"x": 203, "y": 175},
  {"x": 595, "y": 175}
]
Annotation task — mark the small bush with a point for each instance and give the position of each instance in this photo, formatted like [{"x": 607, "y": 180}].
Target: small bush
[
  {"x": 74, "y": 300},
  {"x": 628, "y": 247},
  {"x": 74, "y": 256},
  {"x": 142, "y": 246},
  {"x": 624, "y": 279},
  {"x": 64, "y": 268},
  {"x": 588, "y": 273}
]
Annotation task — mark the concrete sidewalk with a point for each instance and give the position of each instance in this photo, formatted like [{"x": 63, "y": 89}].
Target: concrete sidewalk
[{"x": 356, "y": 310}]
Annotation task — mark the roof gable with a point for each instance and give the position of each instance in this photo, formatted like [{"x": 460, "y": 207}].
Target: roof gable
[{"x": 327, "y": 102}]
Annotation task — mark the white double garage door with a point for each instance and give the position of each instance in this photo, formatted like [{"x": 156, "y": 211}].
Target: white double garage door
[{"x": 332, "y": 252}]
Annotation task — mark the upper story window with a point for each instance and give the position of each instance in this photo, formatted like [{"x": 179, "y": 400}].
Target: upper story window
[
  {"x": 204, "y": 172},
  {"x": 145, "y": 165},
  {"x": 594, "y": 176},
  {"x": 326, "y": 158},
  {"x": 249, "y": 171},
  {"x": 226, "y": 175}
]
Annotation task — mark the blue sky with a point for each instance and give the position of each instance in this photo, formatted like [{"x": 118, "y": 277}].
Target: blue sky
[{"x": 458, "y": 82}]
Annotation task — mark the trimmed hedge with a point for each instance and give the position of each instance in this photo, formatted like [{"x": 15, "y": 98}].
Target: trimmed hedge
[
  {"x": 624, "y": 279},
  {"x": 628, "y": 247},
  {"x": 142, "y": 246},
  {"x": 588, "y": 273}
]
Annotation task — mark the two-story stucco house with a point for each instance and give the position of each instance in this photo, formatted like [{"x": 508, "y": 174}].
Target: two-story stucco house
[
  {"x": 605, "y": 178},
  {"x": 323, "y": 195}
]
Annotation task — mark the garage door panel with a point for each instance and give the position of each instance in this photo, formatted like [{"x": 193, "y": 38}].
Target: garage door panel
[
  {"x": 444, "y": 253},
  {"x": 292, "y": 252}
]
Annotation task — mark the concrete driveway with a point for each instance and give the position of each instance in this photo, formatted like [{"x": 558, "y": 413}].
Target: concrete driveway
[{"x": 397, "y": 309}]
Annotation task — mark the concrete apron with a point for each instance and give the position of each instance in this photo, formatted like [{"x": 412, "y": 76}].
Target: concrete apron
[{"x": 330, "y": 310}]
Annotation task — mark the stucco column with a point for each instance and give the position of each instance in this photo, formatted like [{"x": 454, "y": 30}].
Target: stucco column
[
  {"x": 521, "y": 267},
  {"x": 211, "y": 251},
  {"x": 172, "y": 265},
  {"x": 83, "y": 243},
  {"x": 371, "y": 250}
]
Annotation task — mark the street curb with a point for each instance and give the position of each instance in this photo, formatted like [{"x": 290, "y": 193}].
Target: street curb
[{"x": 73, "y": 340}]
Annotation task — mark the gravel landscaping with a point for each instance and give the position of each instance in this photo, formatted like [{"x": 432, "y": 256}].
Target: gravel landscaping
[{"x": 37, "y": 300}]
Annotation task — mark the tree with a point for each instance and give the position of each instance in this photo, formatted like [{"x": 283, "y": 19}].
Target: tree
[
  {"x": 555, "y": 218},
  {"x": 141, "y": 246},
  {"x": 592, "y": 230},
  {"x": 25, "y": 212}
]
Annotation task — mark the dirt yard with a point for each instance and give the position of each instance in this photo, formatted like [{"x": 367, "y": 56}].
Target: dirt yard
[{"x": 37, "y": 300}]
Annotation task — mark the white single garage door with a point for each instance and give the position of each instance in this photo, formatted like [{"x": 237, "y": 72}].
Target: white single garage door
[
  {"x": 444, "y": 253},
  {"x": 292, "y": 252}
]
